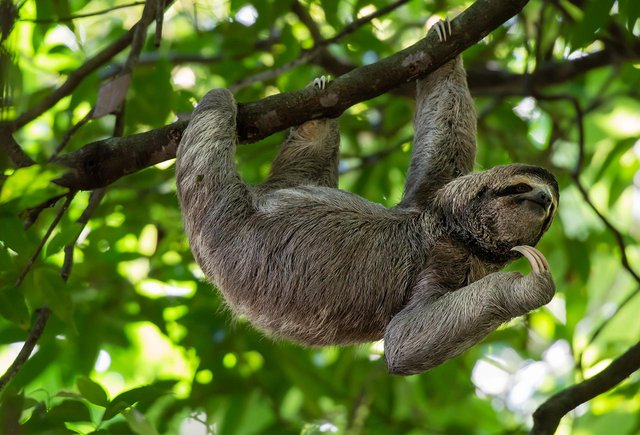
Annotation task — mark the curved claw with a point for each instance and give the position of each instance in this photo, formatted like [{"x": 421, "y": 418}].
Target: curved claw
[
  {"x": 537, "y": 261},
  {"x": 443, "y": 29},
  {"x": 321, "y": 82}
]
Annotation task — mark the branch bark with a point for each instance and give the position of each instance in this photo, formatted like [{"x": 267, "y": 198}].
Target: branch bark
[
  {"x": 548, "y": 415},
  {"x": 102, "y": 162}
]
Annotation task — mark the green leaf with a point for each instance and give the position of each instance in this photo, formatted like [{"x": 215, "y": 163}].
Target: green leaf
[
  {"x": 595, "y": 16},
  {"x": 138, "y": 423},
  {"x": 54, "y": 292},
  {"x": 14, "y": 236},
  {"x": 31, "y": 186},
  {"x": 147, "y": 393},
  {"x": 630, "y": 9},
  {"x": 13, "y": 307},
  {"x": 620, "y": 148},
  {"x": 69, "y": 410},
  {"x": 92, "y": 391},
  {"x": 67, "y": 235}
]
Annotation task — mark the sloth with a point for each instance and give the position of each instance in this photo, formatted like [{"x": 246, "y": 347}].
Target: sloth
[{"x": 308, "y": 262}]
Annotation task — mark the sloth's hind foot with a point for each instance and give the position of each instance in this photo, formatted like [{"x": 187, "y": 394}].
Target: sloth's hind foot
[
  {"x": 321, "y": 82},
  {"x": 443, "y": 29}
]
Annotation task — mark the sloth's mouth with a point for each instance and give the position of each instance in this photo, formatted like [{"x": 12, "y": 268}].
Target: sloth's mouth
[
  {"x": 538, "y": 204},
  {"x": 543, "y": 204}
]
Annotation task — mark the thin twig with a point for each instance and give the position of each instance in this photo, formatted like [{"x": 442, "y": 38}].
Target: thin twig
[
  {"x": 30, "y": 343},
  {"x": 43, "y": 313},
  {"x": 67, "y": 136},
  {"x": 356, "y": 24},
  {"x": 619, "y": 307},
  {"x": 159, "y": 22},
  {"x": 317, "y": 49},
  {"x": 46, "y": 236},
  {"x": 33, "y": 213},
  {"x": 76, "y": 77},
  {"x": 579, "y": 122},
  {"x": 94, "y": 201},
  {"x": 617, "y": 235},
  {"x": 78, "y": 16},
  {"x": 547, "y": 417},
  {"x": 371, "y": 159}
]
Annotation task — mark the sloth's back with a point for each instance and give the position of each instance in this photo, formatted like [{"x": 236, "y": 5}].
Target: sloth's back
[{"x": 319, "y": 265}]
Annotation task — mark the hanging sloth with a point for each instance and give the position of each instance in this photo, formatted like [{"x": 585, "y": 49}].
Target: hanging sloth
[{"x": 305, "y": 261}]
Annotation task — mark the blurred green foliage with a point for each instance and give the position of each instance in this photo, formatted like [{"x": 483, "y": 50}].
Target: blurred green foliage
[{"x": 139, "y": 343}]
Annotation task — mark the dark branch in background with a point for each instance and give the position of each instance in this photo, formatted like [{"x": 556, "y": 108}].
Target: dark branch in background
[
  {"x": 13, "y": 150},
  {"x": 139, "y": 34},
  {"x": 77, "y": 16},
  {"x": 617, "y": 235},
  {"x": 34, "y": 335},
  {"x": 504, "y": 83},
  {"x": 547, "y": 417},
  {"x": 32, "y": 214},
  {"x": 103, "y": 162},
  {"x": 75, "y": 78},
  {"x": 159, "y": 22},
  {"x": 69, "y": 134},
  {"x": 94, "y": 201},
  {"x": 373, "y": 158},
  {"x": 43, "y": 313},
  {"x": 46, "y": 236},
  {"x": 319, "y": 51}
]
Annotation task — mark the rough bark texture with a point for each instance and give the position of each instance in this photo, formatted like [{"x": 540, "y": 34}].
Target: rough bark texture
[
  {"x": 548, "y": 415},
  {"x": 102, "y": 162}
]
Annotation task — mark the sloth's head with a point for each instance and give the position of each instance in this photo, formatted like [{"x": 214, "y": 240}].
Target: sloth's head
[{"x": 495, "y": 210}]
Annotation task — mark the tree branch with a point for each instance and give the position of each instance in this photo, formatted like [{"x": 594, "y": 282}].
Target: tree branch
[
  {"x": 78, "y": 16},
  {"x": 30, "y": 343},
  {"x": 547, "y": 417},
  {"x": 102, "y": 162},
  {"x": 77, "y": 76}
]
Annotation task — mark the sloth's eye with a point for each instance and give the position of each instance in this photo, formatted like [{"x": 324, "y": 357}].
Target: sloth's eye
[{"x": 516, "y": 189}]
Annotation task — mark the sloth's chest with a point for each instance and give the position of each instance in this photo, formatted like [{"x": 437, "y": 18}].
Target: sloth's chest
[{"x": 452, "y": 266}]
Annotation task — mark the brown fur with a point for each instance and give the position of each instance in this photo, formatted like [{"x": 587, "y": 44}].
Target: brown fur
[{"x": 317, "y": 265}]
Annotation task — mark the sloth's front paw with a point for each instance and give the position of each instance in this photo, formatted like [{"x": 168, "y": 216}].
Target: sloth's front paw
[
  {"x": 443, "y": 29},
  {"x": 536, "y": 289}
]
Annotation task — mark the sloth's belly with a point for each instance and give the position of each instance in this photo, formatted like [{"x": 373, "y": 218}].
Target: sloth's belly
[{"x": 323, "y": 272}]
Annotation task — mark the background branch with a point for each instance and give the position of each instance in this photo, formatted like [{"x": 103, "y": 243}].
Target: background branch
[
  {"x": 548, "y": 415},
  {"x": 42, "y": 316}
]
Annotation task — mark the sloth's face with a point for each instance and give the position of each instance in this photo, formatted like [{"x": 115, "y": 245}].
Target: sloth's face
[
  {"x": 504, "y": 207},
  {"x": 518, "y": 211}
]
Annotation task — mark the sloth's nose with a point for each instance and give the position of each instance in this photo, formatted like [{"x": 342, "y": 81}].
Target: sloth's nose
[{"x": 543, "y": 198}]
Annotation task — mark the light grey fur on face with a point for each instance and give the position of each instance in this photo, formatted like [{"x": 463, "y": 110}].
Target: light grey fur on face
[{"x": 308, "y": 262}]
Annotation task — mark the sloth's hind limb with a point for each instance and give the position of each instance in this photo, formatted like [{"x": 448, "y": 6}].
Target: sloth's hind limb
[
  {"x": 444, "y": 144},
  {"x": 309, "y": 155}
]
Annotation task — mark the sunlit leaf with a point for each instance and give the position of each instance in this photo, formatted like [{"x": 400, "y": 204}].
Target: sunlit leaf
[
  {"x": 92, "y": 391},
  {"x": 31, "y": 186}
]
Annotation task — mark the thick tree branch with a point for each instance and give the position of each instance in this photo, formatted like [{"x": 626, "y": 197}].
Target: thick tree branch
[
  {"x": 259, "y": 119},
  {"x": 103, "y": 162},
  {"x": 548, "y": 415}
]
